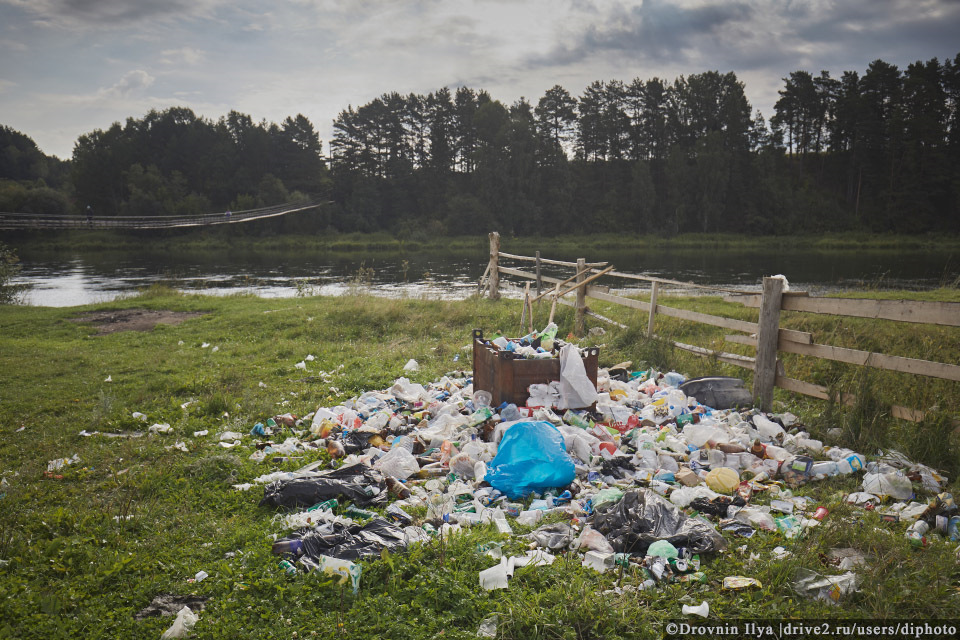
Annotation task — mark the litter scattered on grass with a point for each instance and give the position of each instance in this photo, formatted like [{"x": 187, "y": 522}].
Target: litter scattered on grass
[{"x": 646, "y": 480}]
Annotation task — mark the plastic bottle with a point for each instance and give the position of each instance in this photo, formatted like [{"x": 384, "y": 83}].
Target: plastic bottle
[
  {"x": 359, "y": 513},
  {"x": 827, "y": 468},
  {"x": 576, "y": 420},
  {"x": 482, "y": 398},
  {"x": 850, "y": 463},
  {"x": 327, "y": 505},
  {"x": 953, "y": 528},
  {"x": 915, "y": 534},
  {"x": 292, "y": 548},
  {"x": 395, "y": 487},
  {"x": 510, "y": 413},
  {"x": 673, "y": 379}
]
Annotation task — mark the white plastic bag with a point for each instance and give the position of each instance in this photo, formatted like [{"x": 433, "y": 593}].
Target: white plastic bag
[
  {"x": 182, "y": 625},
  {"x": 888, "y": 484},
  {"x": 576, "y": 390},
  {"x": 398, "y": 463}
]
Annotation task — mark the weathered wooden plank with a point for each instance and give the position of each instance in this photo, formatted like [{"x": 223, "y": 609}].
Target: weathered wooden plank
[
  {"x": 731, "y": 358},
  {"x": 581, "y": 281},
  {"x": 796, "y": 336},
  {"x": 517, "y": 272},
  {"x": 530, "y": 276},
  {"x": 559, "y": 263},
  {"x": 919, "y": 311},
  {"x": 703, "y": 318},
  {"x": 597, "y": 294},
  {"x": 785, "y": 335},
  {"x": 875, "y": 360},
  {"x": 816, "y": 391},
  {"x": 681, "y": 283},
  {"x": 516, "y": 257},
  {"x": 750, "y": 341}
]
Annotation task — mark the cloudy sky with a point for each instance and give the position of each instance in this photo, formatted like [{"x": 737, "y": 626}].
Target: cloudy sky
[{"x": 68, "y": 67}]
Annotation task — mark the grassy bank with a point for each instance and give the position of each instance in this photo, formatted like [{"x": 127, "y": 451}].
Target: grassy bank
[
  {"x": 134, "y": 519},
  {"x": 594, "y": 247}
]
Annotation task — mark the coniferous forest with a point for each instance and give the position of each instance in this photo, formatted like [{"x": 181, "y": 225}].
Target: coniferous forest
[{"x": 875, "y": 151}]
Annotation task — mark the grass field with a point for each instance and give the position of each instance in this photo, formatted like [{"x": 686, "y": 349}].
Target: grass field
[
  {"x": 247, "y": 236},
  {"x": 133, "y": 519}
]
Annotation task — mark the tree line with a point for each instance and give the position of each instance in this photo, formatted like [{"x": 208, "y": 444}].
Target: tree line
[{"x": 877, "y": 151}]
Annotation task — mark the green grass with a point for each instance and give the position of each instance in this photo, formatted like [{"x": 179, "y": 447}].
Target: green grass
[
  {"x": 247, "y": 237},
  {"x": 76, "y": 565}
]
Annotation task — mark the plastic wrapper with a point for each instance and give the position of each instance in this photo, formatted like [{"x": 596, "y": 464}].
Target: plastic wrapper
[
  {"x": 553, "y": 536},
  {"x": 576, "y": 390},
  {"x": 643, "y": 517},
  {"x": 182, "y": 625},
  {"x": 358, "y": 483},
  {"x": 333, "y": 566},
  {"x": 399, "y": 463},
  {"x": 592, "y": 539},
  {"x": 827, "y": 588},
  {"x": 531, "y": 456},
  {"x": 344, "y": 542}
]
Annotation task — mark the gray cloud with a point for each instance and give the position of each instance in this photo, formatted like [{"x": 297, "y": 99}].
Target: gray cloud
[
  {"x": 108, "y": 13},
  {"x": 654, "y": 31}
]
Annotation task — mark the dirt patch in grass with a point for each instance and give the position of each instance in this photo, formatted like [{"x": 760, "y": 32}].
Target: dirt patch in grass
[{"x": 134, "y": 319}]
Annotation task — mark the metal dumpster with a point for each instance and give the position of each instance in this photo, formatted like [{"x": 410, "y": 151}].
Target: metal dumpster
[{"x": 508, "y": 377}]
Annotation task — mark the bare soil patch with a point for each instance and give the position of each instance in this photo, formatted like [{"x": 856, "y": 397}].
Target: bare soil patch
[{"x": 134, "y": 319}]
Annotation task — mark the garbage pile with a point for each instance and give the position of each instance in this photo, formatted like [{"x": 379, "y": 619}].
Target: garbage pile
[
  {"x": 650, "y": 479},
  {"x": 535, "y": 345}
]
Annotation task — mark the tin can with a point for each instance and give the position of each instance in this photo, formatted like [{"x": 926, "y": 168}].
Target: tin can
[{"x": 820, "y": 513}]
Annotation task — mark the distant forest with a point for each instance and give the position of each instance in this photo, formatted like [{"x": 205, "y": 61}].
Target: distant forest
[{"x": 873, "y": 152}]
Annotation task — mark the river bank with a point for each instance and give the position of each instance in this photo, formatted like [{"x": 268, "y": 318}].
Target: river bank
[
  {"x": 247, "y": 237},
  {"x": 95, "y": 267}
]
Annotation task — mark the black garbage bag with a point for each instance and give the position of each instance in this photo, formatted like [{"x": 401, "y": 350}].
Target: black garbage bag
[
  {"x": 718, "y": 392},
  {"x": 358, "y": 483},
  {"x": 643, "y": 517},
  {"x": 718, "y": 506},
  {"x": 356, "y": 441},
  {"x": 618, "y": 467},
  {"x": 341, "y": 541}
]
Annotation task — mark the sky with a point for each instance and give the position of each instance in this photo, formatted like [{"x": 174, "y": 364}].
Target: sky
[{"x": 68, "y": 67}]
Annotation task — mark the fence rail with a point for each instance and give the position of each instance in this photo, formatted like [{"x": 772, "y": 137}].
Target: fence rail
[{"x": 766, "y": 335}]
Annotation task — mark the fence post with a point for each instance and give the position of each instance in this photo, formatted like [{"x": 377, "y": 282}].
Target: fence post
[
  {"x": 539, "y": 282},
  {"x": 653, "y": 308},
  {"x": 580, "y": 328},
  {"x": 768, "y": 335},
  {"x": 494, "y": 265}
]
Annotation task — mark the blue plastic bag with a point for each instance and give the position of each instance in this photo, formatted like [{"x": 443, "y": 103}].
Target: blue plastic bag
[{"x": 531, "y": 457}]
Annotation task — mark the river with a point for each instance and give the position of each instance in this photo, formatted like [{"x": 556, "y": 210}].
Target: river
[{"x": 69, "y": 279}]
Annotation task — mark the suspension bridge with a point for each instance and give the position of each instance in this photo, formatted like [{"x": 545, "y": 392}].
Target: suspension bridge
[{"x": 11, "y": 221}]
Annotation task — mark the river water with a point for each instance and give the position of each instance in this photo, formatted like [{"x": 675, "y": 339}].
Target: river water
[{"x": 69, "y": 279}]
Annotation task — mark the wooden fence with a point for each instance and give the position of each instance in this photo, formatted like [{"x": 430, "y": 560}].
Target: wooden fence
[{"x": 766, "y": 335}]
